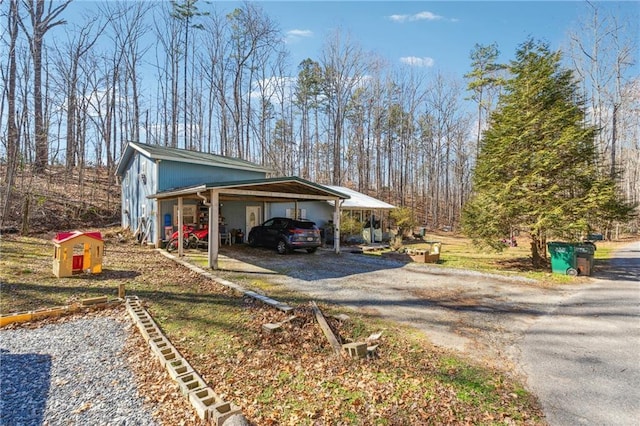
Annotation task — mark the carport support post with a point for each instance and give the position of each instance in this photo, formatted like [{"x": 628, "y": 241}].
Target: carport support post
[
  {"x": 336, "y": 231},
  {"x": 214, "y": 212},
  {"x": 180, "y": 230},
  {"x": 157, "y": 224}
]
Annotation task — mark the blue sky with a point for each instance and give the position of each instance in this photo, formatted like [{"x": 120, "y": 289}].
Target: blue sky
[{"x": 437, "y": 35}]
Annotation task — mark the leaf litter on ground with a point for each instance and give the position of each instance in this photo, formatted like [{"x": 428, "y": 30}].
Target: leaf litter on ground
[{"x": 287, "y": 377}]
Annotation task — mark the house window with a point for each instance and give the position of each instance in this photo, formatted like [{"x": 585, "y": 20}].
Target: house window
[
  {"x": 302, "y": 213},
  {"x": 188, "y": 214}
]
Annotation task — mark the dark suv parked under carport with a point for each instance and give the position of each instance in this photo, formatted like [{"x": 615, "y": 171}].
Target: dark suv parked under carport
[{"x": 286, "y": 234}]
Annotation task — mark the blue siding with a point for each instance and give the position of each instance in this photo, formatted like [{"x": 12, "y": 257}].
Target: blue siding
[
  {"x": 175, "y": 175},
  {"x": 138, "y": 182},
  {"x": 171, "y": 174},
  {"x": 321, "y": 212}
]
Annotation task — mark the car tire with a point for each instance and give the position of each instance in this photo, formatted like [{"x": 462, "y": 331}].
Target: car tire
[
  {"x": 281, "y": 247},
  {"x": 312, "y": 250},
  {"x": 252, "y": 241}
]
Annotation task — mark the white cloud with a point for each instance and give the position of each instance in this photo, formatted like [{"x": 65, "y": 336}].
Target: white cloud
[
  {"x": 420, "y": 16},
  {"x": 415, "y": 61},
  {"x": 299, "y": 33},
  {"x": 296, "y": 35}
]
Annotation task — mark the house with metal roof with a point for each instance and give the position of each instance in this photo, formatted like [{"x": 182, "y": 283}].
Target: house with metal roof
[{"x": 164, "y": 189}]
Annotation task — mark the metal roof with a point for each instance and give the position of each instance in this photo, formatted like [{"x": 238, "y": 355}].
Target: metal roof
[
  {"x": 269, "y": 189},
  {"x": 157, "y": 152},
  {"x": 358, "y": 200}
]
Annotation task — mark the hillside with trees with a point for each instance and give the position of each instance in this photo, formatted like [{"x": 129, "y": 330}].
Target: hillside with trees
[{"x": 192, "y": 75}]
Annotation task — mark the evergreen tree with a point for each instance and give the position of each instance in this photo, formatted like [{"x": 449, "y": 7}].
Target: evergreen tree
[{"x": 537, "y": 169}]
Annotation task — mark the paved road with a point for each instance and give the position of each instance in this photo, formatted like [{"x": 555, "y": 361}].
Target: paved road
[{"x": 583, "y": 359}]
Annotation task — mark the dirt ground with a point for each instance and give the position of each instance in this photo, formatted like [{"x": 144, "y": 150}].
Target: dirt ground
[{"x": 481, "y": 315}]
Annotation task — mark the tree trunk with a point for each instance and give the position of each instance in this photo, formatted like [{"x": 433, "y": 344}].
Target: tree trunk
[{"x": 535, "y": 254}]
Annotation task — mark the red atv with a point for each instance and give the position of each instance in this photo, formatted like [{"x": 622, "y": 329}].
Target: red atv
[{"x": 192, "y": 238}]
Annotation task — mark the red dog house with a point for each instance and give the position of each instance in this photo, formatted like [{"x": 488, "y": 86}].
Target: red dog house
[{"x": 77, "y": 252}]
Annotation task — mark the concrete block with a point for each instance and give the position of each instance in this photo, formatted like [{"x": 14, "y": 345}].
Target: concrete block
[
  {"x": 271, "y": 328},
  {"x": 148, "y": 330},
  {"x": 94, "y": 301},
  {"x": 222, "y": 411},
  {"x": 372, "y": 351},
  {"x": 135, "y": 310},
  {"x": 356, "y": 349},
  {"x": 159, "y": 344},
  {"x": 178, "y": 367},
  {"x": 144, "y": 319},
  {"x": 167, "y": 355},
  {"x": 203, "y": 401},
  {"x": 190, "y": 382}
]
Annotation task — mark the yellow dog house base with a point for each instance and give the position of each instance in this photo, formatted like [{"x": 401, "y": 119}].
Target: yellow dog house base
[{"x": 77, "y": 252}]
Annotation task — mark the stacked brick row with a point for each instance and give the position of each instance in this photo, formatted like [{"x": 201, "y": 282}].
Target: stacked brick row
[{"x": 208, "y": 405}]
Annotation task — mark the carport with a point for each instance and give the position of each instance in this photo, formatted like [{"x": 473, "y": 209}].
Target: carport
[
  {"x": 361, "y": 204},
  {"x": 268, "y": 190}
]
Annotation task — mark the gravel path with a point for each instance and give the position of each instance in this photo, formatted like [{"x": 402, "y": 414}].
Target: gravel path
[{"x": 69, "y": 373}]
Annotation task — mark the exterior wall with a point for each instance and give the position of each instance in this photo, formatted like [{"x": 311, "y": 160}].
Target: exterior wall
[
  {"x": 234, "y": 213},
  {"x": 175, "y": 175},
  {"x": 320, "y": 212},
  {"x": 138, "y": 182},
  {"x": 136, "y": 207}
]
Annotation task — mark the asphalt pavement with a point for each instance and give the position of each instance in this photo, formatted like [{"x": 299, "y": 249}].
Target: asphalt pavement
[{"x": 583, "y": 358}]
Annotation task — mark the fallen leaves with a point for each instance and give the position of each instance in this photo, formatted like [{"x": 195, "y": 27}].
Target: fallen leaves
[{"x": 407, "y": 383}]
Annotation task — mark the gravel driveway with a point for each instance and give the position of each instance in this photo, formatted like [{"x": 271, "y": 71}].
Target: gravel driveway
[
  {"x": 69, "y": 373},
  {"x": 481, "y": 314}
]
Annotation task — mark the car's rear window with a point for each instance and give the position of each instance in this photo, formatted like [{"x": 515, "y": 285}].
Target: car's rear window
[{"x": 303, "y": 225}]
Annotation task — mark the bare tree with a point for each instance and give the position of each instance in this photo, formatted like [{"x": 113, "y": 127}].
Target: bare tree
[
  {"x": 40, "y": 23},
  {"x": 13, "y": 136},
  {"x": 168, "y": 60},
  {"x": 345, "y": 65},
  {"x": 602, "y": 51},
  {"x": 81, "y": 40},
  {"x": 214, "y": 63},
  {"x": 252, "y": 35},
  {"x": 127, "y": 26}
]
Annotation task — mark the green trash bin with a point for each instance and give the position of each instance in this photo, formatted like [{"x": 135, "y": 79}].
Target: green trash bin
[
  {"x": 571, "y": 258},
  {"x": 563, "y": 258}
]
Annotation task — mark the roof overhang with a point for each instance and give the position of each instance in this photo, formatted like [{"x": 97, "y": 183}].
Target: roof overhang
[
  {"x": 272, "y": 189},
  {"x": 359, "y": 201}
]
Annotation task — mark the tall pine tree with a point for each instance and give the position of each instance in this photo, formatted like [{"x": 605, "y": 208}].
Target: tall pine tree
[{"x": 537, "y": 168}]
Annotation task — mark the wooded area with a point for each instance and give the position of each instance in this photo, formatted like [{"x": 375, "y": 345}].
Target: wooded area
[{"x": 190, "y": 75}]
